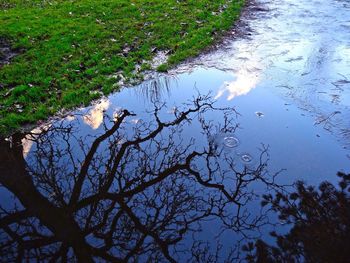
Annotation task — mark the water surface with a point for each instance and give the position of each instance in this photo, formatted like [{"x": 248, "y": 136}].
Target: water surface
[{"x": 273, "y": 100}]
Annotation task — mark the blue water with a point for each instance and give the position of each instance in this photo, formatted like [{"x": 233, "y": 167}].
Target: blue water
[{"x": 288, "y": 82}]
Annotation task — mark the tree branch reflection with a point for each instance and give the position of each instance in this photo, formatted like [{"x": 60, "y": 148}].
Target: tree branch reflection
[
  {"x": 316, "y": 224},
  {"x": 133, "y": 192}
]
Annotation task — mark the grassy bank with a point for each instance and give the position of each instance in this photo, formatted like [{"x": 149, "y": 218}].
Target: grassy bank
[{"x": 76, "y": 50}]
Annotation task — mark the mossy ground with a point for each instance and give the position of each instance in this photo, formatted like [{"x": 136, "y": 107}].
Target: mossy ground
[{"x": 72, "y": 47}]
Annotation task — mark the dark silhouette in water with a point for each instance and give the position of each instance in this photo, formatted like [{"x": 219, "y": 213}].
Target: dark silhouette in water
[
  {"x": 319, "y": 221},
  {"x": 135, "y": 193}
]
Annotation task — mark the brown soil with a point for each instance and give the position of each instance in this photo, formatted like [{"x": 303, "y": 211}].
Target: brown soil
[{"x": 6, "y": 52}]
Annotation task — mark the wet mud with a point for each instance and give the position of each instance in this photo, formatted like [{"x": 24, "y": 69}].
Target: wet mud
[{"x": 7, "y": 53}]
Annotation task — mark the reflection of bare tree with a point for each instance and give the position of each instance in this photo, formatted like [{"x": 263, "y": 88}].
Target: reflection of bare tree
[
  {"x": 155, "y": 89},
  {"x": 132, "y": 193},
  {"x": 318, "y": 221}
]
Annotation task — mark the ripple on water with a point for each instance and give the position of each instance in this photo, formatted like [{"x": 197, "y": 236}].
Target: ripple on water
[
  {"x": 233, "y": 146},
  {"x": 246, "y": 158},
  {"x": 231, "y": 141}
]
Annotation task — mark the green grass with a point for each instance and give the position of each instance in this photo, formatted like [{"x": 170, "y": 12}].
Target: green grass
[{"x": 72, "y": 47}]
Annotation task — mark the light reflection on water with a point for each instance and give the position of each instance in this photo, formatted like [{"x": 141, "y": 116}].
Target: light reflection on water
[{"x": 94, "y": 117}]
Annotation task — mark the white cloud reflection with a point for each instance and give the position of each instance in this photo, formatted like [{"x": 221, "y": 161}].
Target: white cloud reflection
[
  {"x": 247, "y": 70},
  {"x": 28, "y": 140},
  {"x": 245, "y": 81},
  {"x": 94, "y": 117}
]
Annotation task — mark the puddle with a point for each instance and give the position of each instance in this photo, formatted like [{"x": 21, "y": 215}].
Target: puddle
[{"x": 278, "y": 100}]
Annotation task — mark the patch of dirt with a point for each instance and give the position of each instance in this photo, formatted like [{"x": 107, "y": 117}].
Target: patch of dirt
[
  {"x": 253, "y": 10},
  {"x": 6, "y": 52},
  {"x": 161, "y": 57},
  {"x": 241, "y": 29}
]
